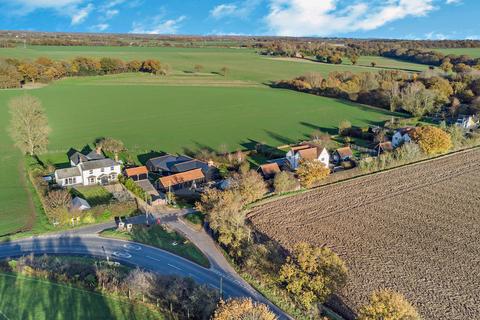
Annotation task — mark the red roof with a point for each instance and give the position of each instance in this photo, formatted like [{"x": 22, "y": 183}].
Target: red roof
[
  {"x": 270, "y": 169},
  {"x": 182, "y": 177},
  {"x": 136, "y": 171}
]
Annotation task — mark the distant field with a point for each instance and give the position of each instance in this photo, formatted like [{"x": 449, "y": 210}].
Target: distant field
[
  {"x": 412, "y": 229},
  {"x": 472, "y": 52},
  {"x": 243, "y": 64},
  {"x": 181, "y": 112},
  {"x": 28, "y": 298}
]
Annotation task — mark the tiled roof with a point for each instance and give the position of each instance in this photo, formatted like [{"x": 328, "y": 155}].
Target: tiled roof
[
  {"x": 345, "y": 152},
  {"x": 180, "y": 178},
  {"x": 270, "y": 169},
  {"x": 308, "y": 154},
  {"x": 136, "y": 171}
]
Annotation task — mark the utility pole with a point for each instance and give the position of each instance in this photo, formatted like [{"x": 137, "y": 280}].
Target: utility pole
[{"x": 105, "y": 253}]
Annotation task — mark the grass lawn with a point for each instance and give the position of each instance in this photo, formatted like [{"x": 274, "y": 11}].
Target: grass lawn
[
  {"x": 472, "y": 52},
  {"x": 95, "y": 195},
  {"x": 195, "y": 218},
  {"x": 30, "y": 298},
  {"x": 178, "y": 113},
  {"x": 159, "y": 237}
]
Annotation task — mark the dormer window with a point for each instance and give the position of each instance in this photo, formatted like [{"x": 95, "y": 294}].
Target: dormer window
[{"x": 91, "y": 172}]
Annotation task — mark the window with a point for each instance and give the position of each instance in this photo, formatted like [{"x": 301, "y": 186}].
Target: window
[
  {"x": 91, "y": 171},
  {"x": 102, "y": 170},
  {"x": 91, "y": 180},
  {"x": 112, "y": 168}
]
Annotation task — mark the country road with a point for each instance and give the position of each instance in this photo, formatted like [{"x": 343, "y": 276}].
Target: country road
[{"x": 87, "y": 242}]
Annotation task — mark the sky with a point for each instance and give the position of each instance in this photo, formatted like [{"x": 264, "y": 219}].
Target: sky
[{"x": 399, "y": 19}]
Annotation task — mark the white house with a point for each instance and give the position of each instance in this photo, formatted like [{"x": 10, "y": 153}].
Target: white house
[
  {"x": 87, "y": 173},
  {"x": 401, "y": 136},
  {"x": 467, "y": 122},
  {"x": 307, "y": 152}
]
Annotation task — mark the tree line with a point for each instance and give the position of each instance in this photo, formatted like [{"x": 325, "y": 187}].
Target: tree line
[
  {"x": 418, "y": 94},
  {"x": 14, "y": 72}
]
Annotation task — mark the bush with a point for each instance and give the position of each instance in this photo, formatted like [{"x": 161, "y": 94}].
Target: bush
[
  {"x": 386, "y": 304},
  {"x": 311, "y": 173},
  {"x": 432, "y": 140},
  {"x": 285, "y": 182}
]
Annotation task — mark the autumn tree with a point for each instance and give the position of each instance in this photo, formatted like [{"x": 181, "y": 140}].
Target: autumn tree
[
  {"x": 9, "y": 76},
  {"x": 322, "y": 138},
  {"x": 446, "y": 65},
  {"x": 343, "y": 127},
  {"x": 28, "y": 124},
  {"x": 311, "y": 274},
  {"x": 432, "y": 140},
  {"x": 242, "y": 309},
  {"x": 111, "y": 145},
  {"x": 417, "y": 100},
  {"x": 388, "y": 305},
  {"x": 314, "y": 79},
  {"x": 373, "y": 64},
  {"x": 284, "y": 182},
  {"x": 151, "y": 66},
  {"x": 134, "y": 66},
  {"x": 225, "y": 215},
  {"x": 29, "y": 71},
  {"x": 354, "y": 58},
  {"x": 311, "y": 172},
  {"x": 250, "y": 186}
]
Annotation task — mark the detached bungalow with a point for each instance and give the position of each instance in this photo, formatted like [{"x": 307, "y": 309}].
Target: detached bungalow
[
  {"x": 269, "y": 170},
  {"x": 402, "y": 136},
  {"x": 169, "y": 165},
  {"x": 183, "y": 180},
  {"x": 307, "y": 152},
  {"x": 342, "y": 154}
]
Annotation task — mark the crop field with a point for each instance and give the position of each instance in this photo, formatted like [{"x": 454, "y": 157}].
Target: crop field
[
  {"x": 414, "y": 229},
  {"x": 472, "y": 52},
  {"x": 29, "y": 298},
  {"x": 181, "y": 112}
]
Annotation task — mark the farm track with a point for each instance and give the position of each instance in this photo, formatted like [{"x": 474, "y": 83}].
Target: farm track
[{"x": 414, "y": 229}]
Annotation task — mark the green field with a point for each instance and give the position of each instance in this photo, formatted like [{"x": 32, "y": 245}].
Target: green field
[
  {"x": 29, "y": 298},
  {"x": 181, "y": 112},
  {"x": 472, "y": 52}
]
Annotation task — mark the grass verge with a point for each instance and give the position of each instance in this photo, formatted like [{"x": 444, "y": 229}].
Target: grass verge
[{"x": 160, "y": 237}]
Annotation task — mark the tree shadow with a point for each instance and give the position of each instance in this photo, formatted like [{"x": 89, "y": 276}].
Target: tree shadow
[{"x": 144, "y": 157}]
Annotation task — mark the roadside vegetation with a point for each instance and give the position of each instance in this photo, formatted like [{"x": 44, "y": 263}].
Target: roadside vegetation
[
  {"x": 160, "y": 237},
  {"x": 92, "y": 288}
]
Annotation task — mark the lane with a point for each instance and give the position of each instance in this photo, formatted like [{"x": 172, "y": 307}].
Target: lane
[{"x": 134, "y": 254}]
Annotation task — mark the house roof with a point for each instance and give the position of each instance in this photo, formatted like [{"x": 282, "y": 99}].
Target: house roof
[
  {"x": 77, "y": 157},
  {"x": 405, "y": 130},
  {"x": 270, "y": 169},
  {"x": 165, "y": 163},
  {"x": 308, "y": 154},
  {"x": 180, "y": 178},
  {"x": 80, "y": 203},
  {"x": 93, "y": 155},
  {"x": 97, "y": 164},
  {"x": 147, "y": 187},
  {"x": 345, "y": 152},
  {"x": 67, "y": 173},
  {"x": 300, "y": 147},
  {"x": 189, "y": 165},
  {"x": 136, "y": 171}
]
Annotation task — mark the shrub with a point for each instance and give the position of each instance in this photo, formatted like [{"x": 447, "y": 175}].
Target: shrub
[
  {"x": 311, "y": 172},
  {"x": 386, "y": 304},
  {"x": 432, "y": 140},
  {"x": 284, "y": 182}
]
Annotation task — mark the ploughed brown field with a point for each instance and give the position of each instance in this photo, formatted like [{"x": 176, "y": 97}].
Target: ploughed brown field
[{"x": 414, "y": 229}]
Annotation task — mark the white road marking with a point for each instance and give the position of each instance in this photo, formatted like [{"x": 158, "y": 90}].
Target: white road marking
[
  {"x": 132, "y": 247},
  {"x": 154, "y": 259},
  {"x": 120, "y": 254},
  {"x": 175, "y": 267}
]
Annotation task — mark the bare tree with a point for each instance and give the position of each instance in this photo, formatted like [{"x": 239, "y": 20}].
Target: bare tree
[
  {"x": 58, "y": 199},
  {"x": 28, "y": 124},
  {"x": 111, "y": 145},
  {"x": 140, "y": 282}
]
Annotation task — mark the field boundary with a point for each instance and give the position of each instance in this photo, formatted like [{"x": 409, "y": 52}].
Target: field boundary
[{"x": 295, "y": 193}]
